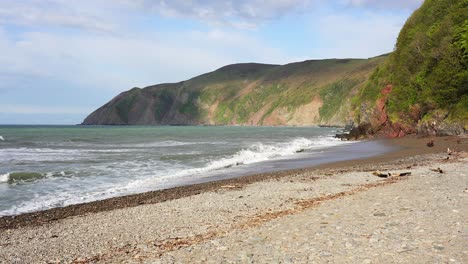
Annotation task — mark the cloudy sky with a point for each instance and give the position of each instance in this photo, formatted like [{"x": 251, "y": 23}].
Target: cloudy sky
[{"x": 62, "y": 59}]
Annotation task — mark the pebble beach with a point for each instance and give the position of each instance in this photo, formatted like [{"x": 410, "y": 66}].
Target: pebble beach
[{"x": 334, "y": 213}]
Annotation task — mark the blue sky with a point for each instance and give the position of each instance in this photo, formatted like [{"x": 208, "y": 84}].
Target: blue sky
[{"x": 62, "y": 59}]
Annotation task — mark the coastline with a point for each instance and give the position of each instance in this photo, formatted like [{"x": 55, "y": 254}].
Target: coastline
[
  {"x": 209, "y": 222},
  {"x": 402, "y": 147}
]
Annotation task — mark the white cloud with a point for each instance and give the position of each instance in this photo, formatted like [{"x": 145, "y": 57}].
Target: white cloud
[
  {"x": 119, "y": 62},
  {"x": 385, "y": 4},
  {"x": 244, "y": 14},
  {"x": 73, "y": 14},
  {"x": 345, "y": 36}
]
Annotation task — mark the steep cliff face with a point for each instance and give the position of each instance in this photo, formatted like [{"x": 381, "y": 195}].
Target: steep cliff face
[
  {"x": 304, "y": 93},
  {"x": 423, "y": 85}
]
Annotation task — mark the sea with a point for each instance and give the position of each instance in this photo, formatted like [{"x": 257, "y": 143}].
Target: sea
[{"x": 43, "y": 167}]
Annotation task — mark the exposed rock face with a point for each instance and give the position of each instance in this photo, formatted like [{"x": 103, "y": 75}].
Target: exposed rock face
[
  {"x": 438, "y": 125},
  {"x": 376, "y": 122}
]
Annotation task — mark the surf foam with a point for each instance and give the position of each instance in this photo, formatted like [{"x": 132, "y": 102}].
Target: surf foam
[
  {"x": 4, "y": 178},
  {"x": 255, "y": 153},
  {"x": 263, "y": 152}
]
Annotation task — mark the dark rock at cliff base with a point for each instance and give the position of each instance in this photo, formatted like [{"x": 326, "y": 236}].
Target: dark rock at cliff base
[
  {"x": 362, "y": 130},
  {"x": 439, "y": 125},
  {"x": 356, "y": 132},
  {"x": 344, "y": 133}
]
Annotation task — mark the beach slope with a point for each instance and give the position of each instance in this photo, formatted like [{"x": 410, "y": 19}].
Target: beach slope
[{"x": 340, "y": 213}]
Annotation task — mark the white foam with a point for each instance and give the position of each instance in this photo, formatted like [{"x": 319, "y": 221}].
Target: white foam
[
  {"x": 257, "y": 152},
  {"x": 263, "y": 152},
  {"x": 167, "y": 143},
  {"x": 2, "y": 139},
  {"x": 4, "y": 177},
  {"x": 57, "y": 174}
]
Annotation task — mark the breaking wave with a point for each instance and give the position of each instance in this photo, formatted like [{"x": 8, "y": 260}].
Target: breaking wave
[
  {"x": 15, "y": 177},
  {"x": 263, "y": 152}
]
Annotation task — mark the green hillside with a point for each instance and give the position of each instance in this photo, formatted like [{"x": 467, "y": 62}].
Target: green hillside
[
  {"x": 428, "y": 74},
  {"x": 303, "y": 93}
]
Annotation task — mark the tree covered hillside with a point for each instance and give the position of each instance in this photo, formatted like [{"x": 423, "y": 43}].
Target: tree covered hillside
[{"x": 426, "y": 76}]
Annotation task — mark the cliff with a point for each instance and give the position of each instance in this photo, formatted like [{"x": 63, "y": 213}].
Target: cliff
[{"x": 422, "y": 87}]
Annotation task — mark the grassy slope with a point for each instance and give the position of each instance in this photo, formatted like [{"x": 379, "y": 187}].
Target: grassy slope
[
  {"x": 245, "y": 94},
  {"x": 428, "y": 69}
]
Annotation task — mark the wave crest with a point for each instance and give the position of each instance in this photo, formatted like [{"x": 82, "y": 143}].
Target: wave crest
[
  {"x": 259, "y": 152},
  {"x": 15, "y": 177}
]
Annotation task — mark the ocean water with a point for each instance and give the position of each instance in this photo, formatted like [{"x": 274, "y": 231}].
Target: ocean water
[{"x": 43, "y": 167}]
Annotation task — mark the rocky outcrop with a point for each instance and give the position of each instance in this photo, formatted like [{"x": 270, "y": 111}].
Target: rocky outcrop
[
  {"x": 439, "y": 125},
  {"x": 374, "y": 121}
]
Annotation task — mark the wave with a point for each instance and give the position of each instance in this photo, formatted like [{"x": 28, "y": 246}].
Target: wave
[
  {"x": 169, "y": 143},
  {"x": 263, "y": 152},
  {"x": 16, "y": 177},
  {"x": 38, "y": 154},
  {"x": 255, "y": 153},
  {"x": 2, "y": 138},
  {"x": 21, "y": 177}
]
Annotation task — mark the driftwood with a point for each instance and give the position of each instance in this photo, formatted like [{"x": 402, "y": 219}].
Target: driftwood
[
  {"x": 380, "y": 174},
  {"x": 386, "y": 175},
  {"x": 401, "y": 174},
  {"x": 231, "y": 187},
  {"x": 439, "y": 170}
]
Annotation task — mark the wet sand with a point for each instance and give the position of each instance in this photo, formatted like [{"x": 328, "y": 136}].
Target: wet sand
[{"x": 405, "y": 147}]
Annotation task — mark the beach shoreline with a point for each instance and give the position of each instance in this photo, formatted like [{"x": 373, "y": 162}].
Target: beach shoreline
[
  {"x": 402, "y": 147},
  {"x": 245, "y": 218}
]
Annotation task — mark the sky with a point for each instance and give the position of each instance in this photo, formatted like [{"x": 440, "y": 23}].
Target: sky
[{"x": 60, "y": 60}]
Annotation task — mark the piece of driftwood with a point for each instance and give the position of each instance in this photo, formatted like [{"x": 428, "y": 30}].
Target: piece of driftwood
[
  {"x": 231, "y": 186},
  {"x": 380, "y": 174},
  {"x": 439, "y": 170},
  {"x": 386, "y": 175},
  {"x": 401, "y": 174}
]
